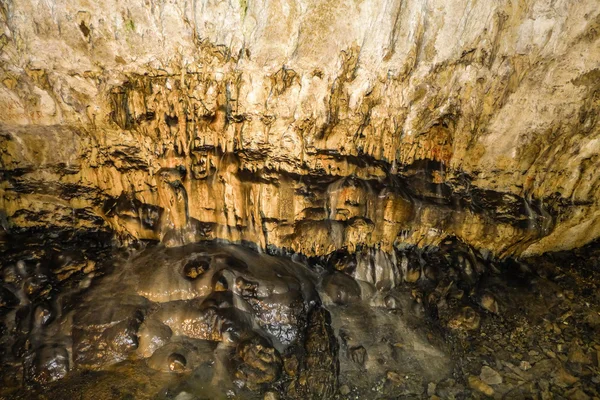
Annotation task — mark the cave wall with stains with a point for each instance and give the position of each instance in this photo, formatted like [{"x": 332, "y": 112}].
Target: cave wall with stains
[{"x": 306, "y": 125}]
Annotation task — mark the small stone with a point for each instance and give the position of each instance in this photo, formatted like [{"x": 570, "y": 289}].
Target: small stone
[
  {"x": 556, "y": 329},
  {"x": 489, "y": 303},
  {"x": 176, "y": 362},
  {"x": 490, "y": 376},
  {"x": 564, "y": 379},
  {"x": 344, "y": 390},
  {"x": 448, "y": 389},
  {"x": 477, "y": 384},
  {"x": 566, "y": 316},
  {"x": 431, "y": 389},
  {"x": 543, "y": 368},
  {"x": 593, "y": 320},
  {"x": 184, "y": 396},
  {"x": 563, "y": 358},
  {"x": 394, "y": 377},
  {"x": 271, "y": 395},
  {"x": 550, "y": 353},
  {"x": 525, "y": 365},
  {"x": 577, "y": 394},
  {"x": 577, "y": 356},
  {"x": 547, "y": 395},
  {"x": 467, "y": 319}
]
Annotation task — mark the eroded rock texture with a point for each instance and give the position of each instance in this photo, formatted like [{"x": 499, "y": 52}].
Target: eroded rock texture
[{"x": 307, "y": 125}]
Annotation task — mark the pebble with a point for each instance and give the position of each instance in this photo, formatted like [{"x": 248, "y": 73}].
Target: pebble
[
  {"x": 525, "y": 365},
  {"x": 489, "y": 303},
  {"x": 270, "y": 395},
  {"x": 448, "y": 389},
  {"x": 176, "y": 362},
  {"x": 466, "y": 319},
  {"x": 394, "y": 377},
  {"x": 550, "y": 353},
  {"x": 577, "y": 356},
  {"x": 556, "y": 329},
  {"x": 577, "y": 394},
  {"x": 477, "y": 384},
  {"x": 490, "y": 376},
  {"x": 565, "y": 316},
  {"x": 344, "y": 390},
  {"x": 564, "y": 379},
  {"x": 184, "y": 396},
  {"x": 593, "y": 320},
  {"x": 431, "y": 389}
]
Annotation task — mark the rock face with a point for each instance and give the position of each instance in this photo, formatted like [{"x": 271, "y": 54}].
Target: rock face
[{"x": 307, "y": 125}]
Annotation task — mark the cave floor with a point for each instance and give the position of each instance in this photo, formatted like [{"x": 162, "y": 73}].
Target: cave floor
[{"x": 213, "y": 320}]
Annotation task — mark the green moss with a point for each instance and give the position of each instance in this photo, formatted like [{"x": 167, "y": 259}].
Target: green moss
[
  {"x": 129, "y": 25},
  {"x": 244, "y": 7}
]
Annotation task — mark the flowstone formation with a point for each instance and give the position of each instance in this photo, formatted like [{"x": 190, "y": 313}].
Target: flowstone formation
[
  {"x": 310, "y": 126},
  {"x": 214, "y": 320}
]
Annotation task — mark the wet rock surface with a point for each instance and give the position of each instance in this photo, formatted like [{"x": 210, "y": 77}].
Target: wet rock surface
[{"x": 249, "y": 325}]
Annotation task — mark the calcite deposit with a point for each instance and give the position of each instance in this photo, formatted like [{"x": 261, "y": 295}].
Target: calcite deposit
[
  {"x": 214, "y": 320},
  {"x": 305, "y": 125}
]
